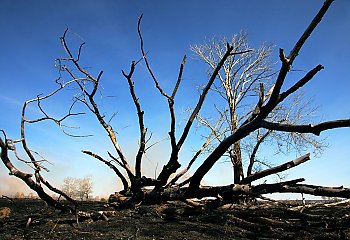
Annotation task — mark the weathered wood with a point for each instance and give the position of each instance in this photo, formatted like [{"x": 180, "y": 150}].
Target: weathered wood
[
  {"x": 277, "y": 169},
  {"x": 230, "y": 193}
]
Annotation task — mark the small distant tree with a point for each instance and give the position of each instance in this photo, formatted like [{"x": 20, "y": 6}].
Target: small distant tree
[
  {"x": 78, "y": 188},
  {"x": 69, "y": 186},
  {"x": 19, "y": 195},
  {"x": 84, "y": 187}
]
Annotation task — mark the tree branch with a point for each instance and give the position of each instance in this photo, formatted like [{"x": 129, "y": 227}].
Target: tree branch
[
  {"x": 288, "y": 61},
  {"x": 254, "y": 152},
  {"x": 314, "y": 129},
  {"x": 276, "y": 169},
  {"x": 173, "y": 163},
  {"x": 140, "y": 113},
  {"x": 315, "y": 21},
  {"x": 179, "y": 79},
  {"x": 300, "y": 83},
  {"x": 219, "y": 151},
  {"x": 92, "y": 105},
  {"x": 27, "y": 178},
  {"x": 258, "y": 121},
  {"x": 114, "y": 168},
  {"x": 146, "y": 60}
]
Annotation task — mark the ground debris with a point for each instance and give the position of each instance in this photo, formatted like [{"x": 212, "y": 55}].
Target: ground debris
[{"x": 176, "y": 220}]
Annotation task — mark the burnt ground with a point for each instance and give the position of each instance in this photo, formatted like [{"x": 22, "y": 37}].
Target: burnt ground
[{"x": 262, "y": 220}]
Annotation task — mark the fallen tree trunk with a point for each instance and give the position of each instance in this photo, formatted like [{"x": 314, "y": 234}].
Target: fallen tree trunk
[
  {"x": 230, "y": 193},
  {"x": 313, "y": 190}
]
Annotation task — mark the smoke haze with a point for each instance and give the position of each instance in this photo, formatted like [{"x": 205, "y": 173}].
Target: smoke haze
[{"x": 10, "y": 185}]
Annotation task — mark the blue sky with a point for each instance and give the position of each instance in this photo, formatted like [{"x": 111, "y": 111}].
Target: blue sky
[{"x": 30, "y": 33}]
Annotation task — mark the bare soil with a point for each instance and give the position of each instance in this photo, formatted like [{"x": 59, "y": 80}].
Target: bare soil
[{"x": 32, "y": 219}]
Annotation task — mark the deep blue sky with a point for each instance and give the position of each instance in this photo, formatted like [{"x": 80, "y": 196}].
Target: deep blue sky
[{"x": 30, "y": 32}]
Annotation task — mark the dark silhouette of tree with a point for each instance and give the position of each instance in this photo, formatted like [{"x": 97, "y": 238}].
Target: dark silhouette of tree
[{"x": 163, "y": 187}]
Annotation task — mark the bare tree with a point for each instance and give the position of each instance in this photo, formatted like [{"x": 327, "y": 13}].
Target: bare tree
[
  {"x": 240, "y": 79},
  {"x": 78, "y": 188},
  {"x": 85, "y": 186},
  {"x": 134, "y": 182}
]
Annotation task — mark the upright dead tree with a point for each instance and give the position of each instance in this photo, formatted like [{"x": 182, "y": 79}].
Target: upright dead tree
[{"x": 240, "y": 80}]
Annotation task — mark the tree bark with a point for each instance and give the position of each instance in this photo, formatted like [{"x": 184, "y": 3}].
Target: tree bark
[
  {"x": 236, "y": 157},
  {"x": 234, "y": 191},
  {"x": 276, "y": 169}
]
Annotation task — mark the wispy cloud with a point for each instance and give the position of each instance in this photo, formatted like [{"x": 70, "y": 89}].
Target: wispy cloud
[{"x": 12, "y": 101}]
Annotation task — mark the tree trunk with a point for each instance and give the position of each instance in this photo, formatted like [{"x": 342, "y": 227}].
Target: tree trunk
[
  {"x": 235, "y": 153},
  {"x": 236, "y": 159},
  {"x": 234, "y": 192}
]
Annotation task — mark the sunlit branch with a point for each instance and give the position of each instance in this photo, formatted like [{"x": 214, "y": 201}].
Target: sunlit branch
[{"x": 277, "y": 169}]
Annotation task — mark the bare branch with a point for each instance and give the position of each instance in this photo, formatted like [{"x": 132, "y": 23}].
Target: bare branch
[
  {"x": 276, "y": 169},
  {"x": 173, "y": 163},
  {"x": 58, "y": 191},
  {"x": 146, "y": 60},
  {"x": 300, "y": 83},
  {"x": 314, "y": 129},
  {"x": 254, "y": 152},
  {"x": 203, "y": 96},
  {"x": 265, "y": 110},
  {"x": 27, "y": 178},
  {"x": 207, "y": 142},
  {"x": 179, "y": 78},
  {"x": 288, "y": 61},
  {"x": 315, "y": 21},
  {"x": 140, "y": 113},
  {"x": 92, "y": 105},
  {"x": 114, "y": 168},
  {"x": 72, "y": 59}
]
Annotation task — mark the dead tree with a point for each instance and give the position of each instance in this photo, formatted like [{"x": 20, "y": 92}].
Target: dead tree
[
  {"x": 240, "y": 79},
  {"x": 165, "y": 188},
  {"x": 258, "y": 119}
]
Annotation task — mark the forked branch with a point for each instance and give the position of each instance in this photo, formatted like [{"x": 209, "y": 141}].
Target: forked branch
[
  {"x": 27, "y": 178},
  {"x": 140, "y": 114}
]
